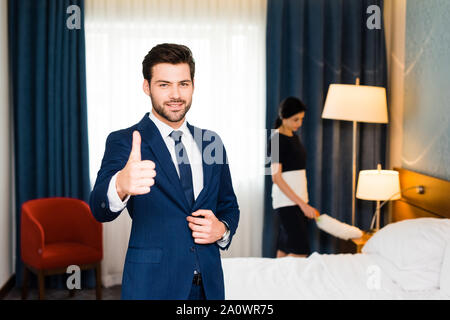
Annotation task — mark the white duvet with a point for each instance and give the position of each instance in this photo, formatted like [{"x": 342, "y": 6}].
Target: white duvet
[{"x": 320, "y": 276}]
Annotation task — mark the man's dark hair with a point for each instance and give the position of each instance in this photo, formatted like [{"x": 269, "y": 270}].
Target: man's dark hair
[{"x": 167, "y": 53}]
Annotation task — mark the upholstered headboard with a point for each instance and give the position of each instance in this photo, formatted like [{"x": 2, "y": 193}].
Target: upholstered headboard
[{"x": 433, "y": 202}]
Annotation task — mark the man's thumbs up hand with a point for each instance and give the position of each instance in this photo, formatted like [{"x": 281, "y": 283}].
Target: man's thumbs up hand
[
  {"x": 135, "y": 154},
  {"x": 137, "y": 176}
]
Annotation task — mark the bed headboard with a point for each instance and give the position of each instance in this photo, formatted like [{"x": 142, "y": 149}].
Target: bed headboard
[{"x": 434, "y": 202}]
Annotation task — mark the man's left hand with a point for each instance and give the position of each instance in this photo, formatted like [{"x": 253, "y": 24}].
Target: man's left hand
[{"x": 205, "y": 230}]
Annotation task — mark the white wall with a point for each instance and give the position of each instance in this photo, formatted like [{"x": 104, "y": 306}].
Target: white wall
[
  {"x": 6, "y": 233},
  {"x": 395, "y": 25}
]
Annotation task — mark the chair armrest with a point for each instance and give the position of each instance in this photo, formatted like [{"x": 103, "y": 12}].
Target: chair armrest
[
  {"x": 32, "y": 238},
  {"x": 92, "y": 232}
]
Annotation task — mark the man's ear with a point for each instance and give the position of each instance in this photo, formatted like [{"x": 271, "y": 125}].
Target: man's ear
[{"x": 146, "y": 87}]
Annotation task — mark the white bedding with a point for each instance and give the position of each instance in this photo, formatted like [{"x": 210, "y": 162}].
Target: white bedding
[{"x": 320, "y": 276}]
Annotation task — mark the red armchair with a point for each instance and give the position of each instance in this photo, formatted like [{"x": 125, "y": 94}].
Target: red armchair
[{"x": 57, "y": 233}]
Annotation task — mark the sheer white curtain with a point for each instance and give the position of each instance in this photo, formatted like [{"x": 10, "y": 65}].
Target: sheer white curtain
[{"x": 227, "y": 38}]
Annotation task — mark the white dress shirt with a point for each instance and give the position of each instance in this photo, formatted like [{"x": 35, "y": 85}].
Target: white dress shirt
[{"x": 195, "y": 160}]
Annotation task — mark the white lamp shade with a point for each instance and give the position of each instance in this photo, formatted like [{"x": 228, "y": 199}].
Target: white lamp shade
[
  {"x": 356, "y": 103},
  {"x": 378, "y": 185}
]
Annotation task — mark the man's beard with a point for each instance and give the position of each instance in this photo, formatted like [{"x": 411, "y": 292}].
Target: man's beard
[{"x": 171, "y": 116}]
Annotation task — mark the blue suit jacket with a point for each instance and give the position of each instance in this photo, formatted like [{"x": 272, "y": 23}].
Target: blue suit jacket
[{"x": 160, "y": 260}]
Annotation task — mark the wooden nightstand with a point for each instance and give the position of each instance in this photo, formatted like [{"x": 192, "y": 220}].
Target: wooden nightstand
[
  {"x": 353, "y": 245},
  {"x": 360, "y": 242}
]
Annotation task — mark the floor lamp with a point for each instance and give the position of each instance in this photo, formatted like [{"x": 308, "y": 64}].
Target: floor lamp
[{"x": 355, "y": 103}]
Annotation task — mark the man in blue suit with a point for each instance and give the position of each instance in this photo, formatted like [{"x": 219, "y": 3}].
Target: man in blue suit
[{"x": 175, "y": 181}]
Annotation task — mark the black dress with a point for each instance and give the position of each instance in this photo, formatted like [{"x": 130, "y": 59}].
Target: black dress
[{"x": 293, "y": 234}]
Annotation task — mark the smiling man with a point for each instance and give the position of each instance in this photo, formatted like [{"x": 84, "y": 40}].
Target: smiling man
[{"x": 175, "y": 181}]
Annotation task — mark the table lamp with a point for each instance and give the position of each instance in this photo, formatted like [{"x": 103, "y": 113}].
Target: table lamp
[
  {"x": 355, "y": 103},
  {"x": 378, "y": 185}
]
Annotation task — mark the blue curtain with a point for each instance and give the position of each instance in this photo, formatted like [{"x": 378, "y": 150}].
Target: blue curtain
[
  {"x": 47, "y": 63},
  {"x": 310, "y": 45}
]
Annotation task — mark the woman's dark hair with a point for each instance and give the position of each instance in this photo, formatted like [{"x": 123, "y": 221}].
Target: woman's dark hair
[
  {"x": 167, "y": 53},
  {"x": 287, "y": 108}
]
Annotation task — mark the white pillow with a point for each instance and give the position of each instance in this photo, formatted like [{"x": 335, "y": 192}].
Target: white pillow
[
  {"x": 415, "y": 247},
  {"x": 445, "y": 271}
]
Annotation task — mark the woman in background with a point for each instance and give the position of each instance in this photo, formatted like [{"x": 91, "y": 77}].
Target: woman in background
[{"x": 289, "y": 189}]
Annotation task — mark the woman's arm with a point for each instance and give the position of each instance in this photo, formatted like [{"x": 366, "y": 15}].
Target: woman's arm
[{"x": 277, "y": 178}]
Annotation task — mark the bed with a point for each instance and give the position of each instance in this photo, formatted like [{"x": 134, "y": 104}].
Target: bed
[{"x": 407, "y": 259}]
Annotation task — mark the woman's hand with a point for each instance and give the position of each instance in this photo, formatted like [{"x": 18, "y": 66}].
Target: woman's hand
[{"x": 309, "y": 211}]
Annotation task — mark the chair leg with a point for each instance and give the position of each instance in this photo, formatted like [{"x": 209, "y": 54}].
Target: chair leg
[
  {"x": 41, "y": 281},
  {"x": 98, "y": 280},
  {"x": 25, "y": 282}
]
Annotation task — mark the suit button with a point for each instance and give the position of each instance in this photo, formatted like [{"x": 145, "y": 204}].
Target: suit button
[
  {"x": 192, "y": 249},
  {"x": 103, "y": 205}
]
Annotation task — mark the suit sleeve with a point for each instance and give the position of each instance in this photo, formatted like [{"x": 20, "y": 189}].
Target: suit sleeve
[
  {"x": 115, "y": 158},
  {"x": 227, "y": 206}
]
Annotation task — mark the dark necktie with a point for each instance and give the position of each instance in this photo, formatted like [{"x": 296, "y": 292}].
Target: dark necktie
[{"x": 183, "y": 166}]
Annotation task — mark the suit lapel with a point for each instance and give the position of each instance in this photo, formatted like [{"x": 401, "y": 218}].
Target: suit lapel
[
  {"x": 198, "y": 135},
  {"x": 151, "y": 138}
]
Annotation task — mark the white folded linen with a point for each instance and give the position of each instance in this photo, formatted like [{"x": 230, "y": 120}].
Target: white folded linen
[{"x": 296, "y": 179}]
